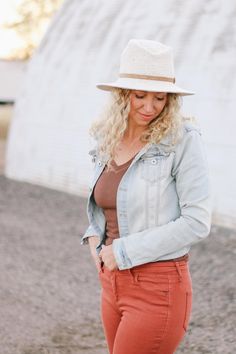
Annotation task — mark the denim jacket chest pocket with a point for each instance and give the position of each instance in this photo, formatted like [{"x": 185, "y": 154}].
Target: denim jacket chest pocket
[{"x": 156, "y": 166}]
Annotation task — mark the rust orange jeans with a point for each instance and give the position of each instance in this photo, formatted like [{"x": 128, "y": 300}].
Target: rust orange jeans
[{"x": 146, "y": 309}]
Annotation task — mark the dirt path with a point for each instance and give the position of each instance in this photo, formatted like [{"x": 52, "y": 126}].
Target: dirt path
[{"x": 49, "y": 293}]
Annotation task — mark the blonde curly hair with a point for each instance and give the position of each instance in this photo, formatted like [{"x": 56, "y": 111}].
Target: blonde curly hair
[{"x": 109, "y": 129}]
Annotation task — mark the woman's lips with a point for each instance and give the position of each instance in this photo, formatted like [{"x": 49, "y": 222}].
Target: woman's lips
[{"x": 146, "y": 117}]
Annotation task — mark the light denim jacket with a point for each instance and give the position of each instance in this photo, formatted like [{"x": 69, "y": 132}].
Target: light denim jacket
[{"x": 163, "y": 202}]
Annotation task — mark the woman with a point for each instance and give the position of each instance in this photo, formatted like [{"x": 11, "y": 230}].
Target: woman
[{"x": 148, "y": 203}]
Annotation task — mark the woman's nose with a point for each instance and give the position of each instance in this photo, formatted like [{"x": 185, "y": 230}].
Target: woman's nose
[{"x": 149, "y": 106}]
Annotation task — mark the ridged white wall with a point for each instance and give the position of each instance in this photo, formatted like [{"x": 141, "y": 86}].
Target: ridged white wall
[
  {"x": 48, "y": 141},
  {"x": 11, "y": 76}
]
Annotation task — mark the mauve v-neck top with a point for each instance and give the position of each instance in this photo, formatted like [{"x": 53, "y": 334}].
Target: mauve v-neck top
[{"x": 104, "y": 194}]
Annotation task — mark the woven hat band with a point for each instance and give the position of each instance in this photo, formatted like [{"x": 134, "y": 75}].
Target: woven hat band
[{"x": 148, "y": 77}]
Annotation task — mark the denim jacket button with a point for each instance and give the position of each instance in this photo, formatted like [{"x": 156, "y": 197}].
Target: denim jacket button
[{"x": 154, "y": 161}]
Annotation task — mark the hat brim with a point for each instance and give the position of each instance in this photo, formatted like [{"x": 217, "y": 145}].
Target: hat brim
[{"x": 144, "y": 85}]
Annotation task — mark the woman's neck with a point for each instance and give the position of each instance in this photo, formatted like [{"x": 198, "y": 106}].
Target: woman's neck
[{"x": 133, "y": 132}]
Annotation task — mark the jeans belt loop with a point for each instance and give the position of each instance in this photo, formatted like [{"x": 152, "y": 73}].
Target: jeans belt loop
[
  {"x": 178, "y": 270},
  {"x": 134, "y": 276}
]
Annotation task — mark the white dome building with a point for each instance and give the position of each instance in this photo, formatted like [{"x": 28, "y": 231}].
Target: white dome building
[{"x": 48, "y": 142}]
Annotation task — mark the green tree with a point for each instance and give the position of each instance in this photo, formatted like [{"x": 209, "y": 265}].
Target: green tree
[{"x": 33, "y": 17}]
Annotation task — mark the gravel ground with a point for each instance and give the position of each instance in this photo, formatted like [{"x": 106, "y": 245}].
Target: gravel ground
[
  {"x": 49, "y": 289},
  {"x": 2, "y": 155}
]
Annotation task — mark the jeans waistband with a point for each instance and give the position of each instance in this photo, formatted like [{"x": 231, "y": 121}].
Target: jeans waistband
[
  {"x": 166, "y": 265},
  {"x": 182, "y": 261}
]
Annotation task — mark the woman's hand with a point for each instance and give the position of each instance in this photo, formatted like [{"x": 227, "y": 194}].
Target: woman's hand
[
  {"x": 107, "y": 256},
  {"x": 93, "y": 242}
]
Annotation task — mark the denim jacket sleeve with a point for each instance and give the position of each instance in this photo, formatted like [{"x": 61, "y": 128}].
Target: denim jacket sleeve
[
  {"x": 190, "y": 170},
  {"x": 90, "y": 232}
]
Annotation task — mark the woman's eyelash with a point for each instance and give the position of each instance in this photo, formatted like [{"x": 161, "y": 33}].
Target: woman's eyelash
[{"x": 158, "y": 98}]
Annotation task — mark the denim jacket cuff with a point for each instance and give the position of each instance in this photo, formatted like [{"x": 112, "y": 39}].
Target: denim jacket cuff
[
  {"x": 89, "y": 233},
  {"x": 122, "y": 259}
]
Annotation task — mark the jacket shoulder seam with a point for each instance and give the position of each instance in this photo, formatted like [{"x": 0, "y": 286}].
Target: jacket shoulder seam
[{"x": 189, "y": 127}]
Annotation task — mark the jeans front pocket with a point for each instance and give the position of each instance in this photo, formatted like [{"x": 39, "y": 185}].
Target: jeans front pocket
[
  {"x": 188, "y": 308},
  {"x": 154, "y": 283}
]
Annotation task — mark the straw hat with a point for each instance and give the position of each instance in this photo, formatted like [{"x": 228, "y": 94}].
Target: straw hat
[{"x": 146, "y": 65}]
